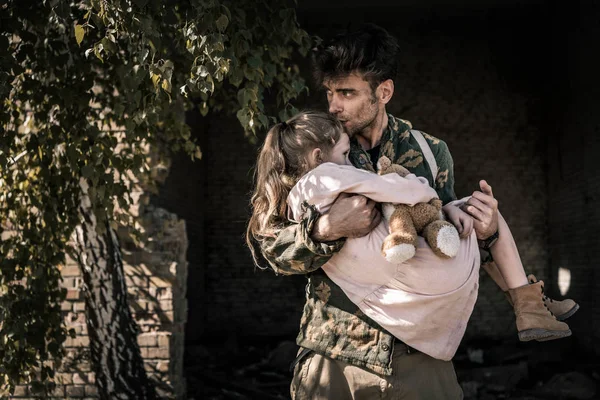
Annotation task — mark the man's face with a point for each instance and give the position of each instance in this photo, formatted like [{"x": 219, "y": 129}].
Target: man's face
[{"x": 352, "y": 102}]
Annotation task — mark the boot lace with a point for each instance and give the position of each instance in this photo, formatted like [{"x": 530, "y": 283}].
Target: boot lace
[{"x": 544, "y": 298}]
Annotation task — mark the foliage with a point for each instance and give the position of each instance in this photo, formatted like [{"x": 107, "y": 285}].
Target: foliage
[{"x": 85, "y": 86}]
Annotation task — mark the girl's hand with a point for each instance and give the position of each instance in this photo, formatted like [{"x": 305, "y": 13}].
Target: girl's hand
[{"x": 460, "y": 219}]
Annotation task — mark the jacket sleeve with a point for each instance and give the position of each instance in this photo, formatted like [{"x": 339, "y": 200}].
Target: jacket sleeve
[
  {"x": 444, "y": 181},
  {"x": 292, "y": 251}
]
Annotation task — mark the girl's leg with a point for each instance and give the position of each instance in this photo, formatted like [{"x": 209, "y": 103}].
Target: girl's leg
[
  {"x": 492, "y": 269},
  {"x": 506, "y": 255},
  {"x": 507, "y": 271},
  {"x": 534, "y": 320}
]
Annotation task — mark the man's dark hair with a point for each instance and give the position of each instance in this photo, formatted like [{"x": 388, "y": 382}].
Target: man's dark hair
[{"x": 369, "y": 49}]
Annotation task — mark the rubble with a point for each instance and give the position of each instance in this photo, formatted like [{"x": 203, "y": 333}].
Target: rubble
[{"x": 571, "y": 385}]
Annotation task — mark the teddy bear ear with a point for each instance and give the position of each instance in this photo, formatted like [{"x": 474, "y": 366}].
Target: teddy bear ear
[{"x": 383, "y": 162}]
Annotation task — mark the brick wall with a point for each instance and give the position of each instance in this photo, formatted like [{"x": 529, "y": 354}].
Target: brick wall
[{"x": 156, "y": 275}]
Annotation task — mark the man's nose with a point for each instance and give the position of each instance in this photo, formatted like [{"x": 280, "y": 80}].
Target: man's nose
[{"x": 335, "y": 106}]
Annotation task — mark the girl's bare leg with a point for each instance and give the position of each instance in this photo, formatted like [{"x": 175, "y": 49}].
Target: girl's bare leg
[
  {"x": 506, "y": 256},
  {"x": 562, "y": 309},
  {"x": 534, "y": 320},
  {"x": 492, "y": 269}
]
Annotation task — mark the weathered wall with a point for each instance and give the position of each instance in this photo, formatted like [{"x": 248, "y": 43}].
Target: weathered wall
[
  {"x": 574, "y": 169},
  {"x": 156, "y": 275}
]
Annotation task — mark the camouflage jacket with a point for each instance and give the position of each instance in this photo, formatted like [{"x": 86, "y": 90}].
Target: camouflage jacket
[{"x": 331, "y": 324}]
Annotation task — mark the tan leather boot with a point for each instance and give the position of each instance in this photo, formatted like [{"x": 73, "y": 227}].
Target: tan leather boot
[
  {"x": 562, "y": 309},
  {"x": 534, "y": 320}
]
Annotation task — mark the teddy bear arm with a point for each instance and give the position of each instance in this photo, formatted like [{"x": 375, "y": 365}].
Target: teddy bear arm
[
  {"x": 437, "y": 203},
  {"x": 423, "y": 214}
]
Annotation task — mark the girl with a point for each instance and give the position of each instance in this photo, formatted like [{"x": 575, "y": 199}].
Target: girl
[{"x": 426, "y": 301}]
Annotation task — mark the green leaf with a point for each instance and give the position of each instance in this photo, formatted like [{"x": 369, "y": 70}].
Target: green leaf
[
  {"x": 226, "y": 10},
  {"x": 87, "y": 171},
  {"x": 246, "y": 96},
  {"x": 254, "y": 62},
  {"x": 222, "y": 22},
  {"x": 109, "y": 46},
  {"x": 263, "y": 120},
  {"x": 137, "y": 97},
  {"x": 243, "y": 117},
  {"x": 79, "y": 34},
  {"x": 62, "y": 9},
  {"x": 98, "y": 51},
  {"x": 236, "y": 77},
  {"x": 166, "y": 85},
  {"x": 155, "y": 79},
  {"x": 203, "y": 109}
]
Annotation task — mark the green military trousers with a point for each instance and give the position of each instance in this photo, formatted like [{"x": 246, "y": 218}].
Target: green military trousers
[{"x": 416, "y": 376}]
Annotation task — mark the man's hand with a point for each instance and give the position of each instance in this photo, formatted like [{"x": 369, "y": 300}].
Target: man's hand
[
  {"x": 483, "y": 207},
  {"x": 349, "y": 216},
  {"x": 462, "y": 221}
]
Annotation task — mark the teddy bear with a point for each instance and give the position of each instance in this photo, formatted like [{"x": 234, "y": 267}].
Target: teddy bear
[{"x": 406, "y": 222}]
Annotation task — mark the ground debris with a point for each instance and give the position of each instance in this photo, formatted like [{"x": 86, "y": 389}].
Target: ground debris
[
  {"x": 572, "y": 385},
  {"x": 490, "y": 370}
]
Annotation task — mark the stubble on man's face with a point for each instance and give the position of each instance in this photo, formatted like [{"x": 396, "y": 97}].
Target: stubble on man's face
[
  {"x": 353, "y": 102},
  {"x": 362, "y": 118}
]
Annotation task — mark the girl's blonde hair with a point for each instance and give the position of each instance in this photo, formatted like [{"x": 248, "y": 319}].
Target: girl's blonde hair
[{"x": 282, "y": 160}]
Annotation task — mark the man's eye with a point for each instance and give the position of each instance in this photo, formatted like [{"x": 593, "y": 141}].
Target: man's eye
[{"x": 347, "y": 94}]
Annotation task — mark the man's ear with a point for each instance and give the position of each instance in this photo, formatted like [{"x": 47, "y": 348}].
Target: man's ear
[{"x": 385, "y": 91}]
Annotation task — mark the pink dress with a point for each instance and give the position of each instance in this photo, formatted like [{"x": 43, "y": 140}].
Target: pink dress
[{"x": 427, "y": 301}]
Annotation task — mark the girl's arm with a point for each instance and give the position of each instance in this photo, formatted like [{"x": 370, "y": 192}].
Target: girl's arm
[{"x": 323, "y": 184}]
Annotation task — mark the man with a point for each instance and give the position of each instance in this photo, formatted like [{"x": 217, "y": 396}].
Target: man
[{"x": 345, "y": 354}]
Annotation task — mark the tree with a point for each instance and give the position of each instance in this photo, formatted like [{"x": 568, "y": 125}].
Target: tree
[{"x": 85, "y": 87}]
